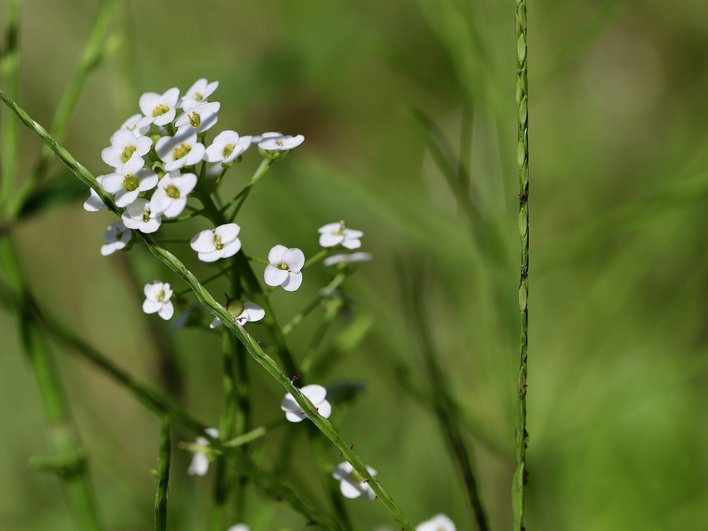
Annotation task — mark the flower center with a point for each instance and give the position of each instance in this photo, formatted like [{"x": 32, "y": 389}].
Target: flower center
[
  {"x": 146, "y": 216},
  {"x": 181, "y": 151},
  {"x": 161, "y": 296},
  {"x": 130, "y": 182},
  {"x": 228, "y": 149},
  {"x": 195, "y": 119},
  {"x": 357, "y": 477},
  {"x": 284, "y": 266},
  {"x": 127, "y": 153},
  {"x": 279, "y": 143},
  {"x": 172, "y": 191},
  {"x": 217, "y": 242},
  {"x": 198, "y": 96},
  {"x": 160, "y": 109}
]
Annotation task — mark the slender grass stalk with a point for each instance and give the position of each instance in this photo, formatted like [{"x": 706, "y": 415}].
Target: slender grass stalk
[
  {"x": 92, "y": 56},
  {"x": 522, "y": 159},
  {"x": 68, "y": 459},
  {"x": 163, "y": 475},
  {"x": 322, "y": 295},
  {"x": 10, "y": 63},
  {"x": 217, "y": 310}
]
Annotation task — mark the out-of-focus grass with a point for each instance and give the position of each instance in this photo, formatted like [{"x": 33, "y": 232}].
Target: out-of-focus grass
[{"x": 619, "y": 169}]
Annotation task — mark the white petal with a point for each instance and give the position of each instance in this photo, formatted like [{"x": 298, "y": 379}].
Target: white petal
[
  {"x": 253, "y": 312},
  {"x": 176, "y": 208},
  {"x": 329, "y": 239},
  {"x": 166, "y": 311},
  {"x": 349, "y": 490},
  {"x": 351, "y": 244},
  {"x": 288, "y": 404},
  {"x": 324, "y": 409},
  {"x": 293, "y": 282},
  {"x": 295, "y": 417},
  {"x": 148, "y": 101},
  {"x": 124, "y": 198},
  {"x": 151, "y": 226},
  {"x": 199, "y": 465},
  {"x": 160, "y": 201},
  {"x": 314, "y": 393},
  {"x": 147, "y": 180},
  {"x": 93, "y": 203},
  {"x": 227, "y": 232},
  {"x": 343, "y": 470},
  {"x": 203, "y": 242},
  {"x": 166, "y": 118},
  {"x": 150, "y": 306},
  {"x": 152, "y": 291},
  {"x": 112, "y": 183},
  {"x": 275, "y": 255},
  {"x": 295, "y": 259},
  {"x": 330, "y": 227},
  {"x": 134, "y": 165},
  {"x": 171, "y": 96},
  {"x": 185, "y": 183},
  {"x": 216, "y": 323},
  {"x": 231, "y": 248},
  {"x": 439, "y": 522},
  {"x": 274, "y": 276},
  {"x": 211, "y": 256}
]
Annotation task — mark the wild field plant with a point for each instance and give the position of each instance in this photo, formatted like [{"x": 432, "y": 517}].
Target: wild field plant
[{"x": 165, "y": 165}]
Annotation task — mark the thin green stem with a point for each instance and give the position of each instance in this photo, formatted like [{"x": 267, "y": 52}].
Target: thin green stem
[
  {"x": 322, "y": 295},
  {"x": 330, "y": 487},
  {"x": 9, "y": 128},
  {"x": 163, "y": 475},
  {"x": 217, "y": 310},
  {"x": 240, "y": 198},
  {"x": 316, "y": 258},
  {"x": 522, "y": 159}
]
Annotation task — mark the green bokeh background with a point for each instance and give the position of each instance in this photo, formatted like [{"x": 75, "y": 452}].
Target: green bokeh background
[{"x": 619, "y": 274}]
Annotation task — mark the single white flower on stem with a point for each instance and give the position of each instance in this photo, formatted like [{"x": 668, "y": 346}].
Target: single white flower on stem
[
  {"x": 159, "y": 109},
  {"x": 439, "y": 522},
  {"x": 115, "y": 238},
  {"x": 284, "y": 268},
  {"x": 132, "y": 124},
  {"x": 180, "y": 150},
  {"x": 93, "y": 202},
  {"x": 242, "y": 312},
  {"x": 315, "y": 394},
  {"x": 351, "y": 483},
  {"x": 239, "y": 527},
  {"x": 138, "y": 216},
  {"x": 226, "y": 147},
  {"x": 170, "y": 198},
  {"x": 278, "y": 141},
  {"x": 124, "y": 146},
  {"x": 157, "y": 299},
  {"x": 198, "y": 93},
  {"x": 128, "y": 181},
  {"x": 334, "y": 234},
  {"x": 200, "y": 460},
  {"x": 200, "y": 117},
  {"x": 222, "y": 242},
  {"x": 352, "y": 258}
]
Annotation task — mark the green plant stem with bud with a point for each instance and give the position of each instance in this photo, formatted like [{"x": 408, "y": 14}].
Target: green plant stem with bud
[{"x": 521, "y": 435}]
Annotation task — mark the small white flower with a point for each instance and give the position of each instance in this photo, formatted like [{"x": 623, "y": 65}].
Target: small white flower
[
  {"x": 222, "y": 242},
  {"x": 115, "y": 238},
  {"x": 138, "y": 215},
  {"x": 334, "y": 234},
  {"x": 351, "y": 483},
  {"x": 226, "y": 147},
  {"x": 284, "y": 268},
  {"x": 124, "y": 146},
  {"x": 315, "y": 394},
  {"x": 170, "y": 198},
  {"x": 159, "y": 109},
  {"x": 157, "y": 299},
  {"x": 200, "y": 117},
  {"x": 200, "y": 461},
  {"x": 352, "y": 258},
  {"x": 239, "y": 527},
  {"x": 93, "y": 202},
  {"x": 439, "y": 522},
  {"x": 198, "y": 93},
  {"x": 128, "y": 181},
  {"x": 180, "y": 150},
  {"x": 247, "y": 312},
  {"x": 132, "y": 124},
  {"x": 278, "y": 141}
]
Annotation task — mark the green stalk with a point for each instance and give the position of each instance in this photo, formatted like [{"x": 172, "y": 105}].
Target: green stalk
[
  {"x": 322, "y": 295},
  {"x": 217, "y": 310},
  {"x": 68, "y": 459},
  {"x": 10, "y": 72},
  {"x": 91, "y": 57},
  {"x": 163, "y": 475},
  {"x": 521, "y": 436}
]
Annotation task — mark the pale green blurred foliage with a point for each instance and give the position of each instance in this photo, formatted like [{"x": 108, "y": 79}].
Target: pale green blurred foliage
[{"x": 619, "y": 276}]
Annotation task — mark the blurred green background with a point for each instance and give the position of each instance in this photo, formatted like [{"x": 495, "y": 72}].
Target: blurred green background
[{"x": 619, "y": 269}]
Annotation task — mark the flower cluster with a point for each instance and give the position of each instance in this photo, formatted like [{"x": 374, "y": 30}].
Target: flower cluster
[{"x": 335, "y": 235}]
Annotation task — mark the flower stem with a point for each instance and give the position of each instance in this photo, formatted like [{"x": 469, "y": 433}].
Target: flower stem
[
  {"x": 10, "y": 65},
  {"x": 521, "y": 436},
  {"x": 322, "y": 295},
  {"x": 163, "y": 475},
  {"x": 207, "y": 300}
]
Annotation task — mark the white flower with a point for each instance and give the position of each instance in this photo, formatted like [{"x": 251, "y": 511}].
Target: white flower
[
  {"x": 222, "y": 242},
  {"x": 200, "y": 461},
  {"x": 125, "y": 145},
  {"x": 284, "y": 268},
  {"x": 132, "y": 124},
  {"x": 351, "y": 483},
  {"x": 200, "y": 117},
  {"x": 157, "y": 299},
  {"x": 352, "y": 258},
  {"x": 93, "y": 202},
  {"x": 334, "y": 234},
  {"x": 278, "y": 141},
  {"x": 180, "y": 150},
  {"x": 170, "y": 198},
  {"x": 198, "y": 93},
  {"x": 246, "y": 312},
  {"x": 116, "y": 237},
  {"x": 138, "y": 215},
  {"x": 226, "y": 147},
  {"x": 439, "y": 522},
  {"x": 315, "y": 394},
  {"x": 128, "y": 181},
  {"x": 239, "y": 527},
  {"x": 159, "y": 109}
]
